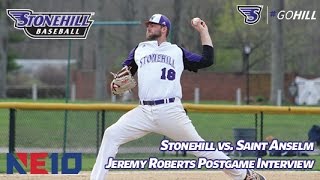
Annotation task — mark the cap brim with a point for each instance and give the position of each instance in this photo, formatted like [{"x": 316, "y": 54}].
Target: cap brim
[{"x": 150, "y": 22}]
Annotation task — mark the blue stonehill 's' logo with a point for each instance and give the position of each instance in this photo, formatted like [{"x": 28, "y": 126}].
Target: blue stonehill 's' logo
[
  {"x": 251, "y": 13},
  {"x": 52, "y": 25}
]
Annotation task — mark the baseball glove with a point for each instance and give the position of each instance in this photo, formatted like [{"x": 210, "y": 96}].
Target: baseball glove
[{"x": 122, "y": 81}]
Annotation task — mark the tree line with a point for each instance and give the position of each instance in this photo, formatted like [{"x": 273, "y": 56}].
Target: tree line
[{"x": 292, "y": 44}]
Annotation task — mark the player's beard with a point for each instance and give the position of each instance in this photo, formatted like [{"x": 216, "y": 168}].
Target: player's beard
[{"x": 153, "y": 36}]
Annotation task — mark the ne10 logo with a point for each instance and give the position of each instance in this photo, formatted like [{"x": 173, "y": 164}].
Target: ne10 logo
[{"x": 38, "y": 161}]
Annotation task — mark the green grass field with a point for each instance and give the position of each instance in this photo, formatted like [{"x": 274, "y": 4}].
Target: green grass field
[{"x": 45, "y": 129}]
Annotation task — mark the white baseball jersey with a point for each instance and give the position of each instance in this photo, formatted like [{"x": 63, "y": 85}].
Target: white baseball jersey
[{"x": 160, "y": 68}]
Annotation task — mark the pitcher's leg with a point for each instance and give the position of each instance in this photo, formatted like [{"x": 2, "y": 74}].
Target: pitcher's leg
[
  {"x": 176, "y": 125},
  {"x": 130, "y": 126},
  {"x": 236, "y": 174}
]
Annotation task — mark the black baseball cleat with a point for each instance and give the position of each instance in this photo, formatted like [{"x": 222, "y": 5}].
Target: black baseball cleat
[{"x": 252, "y": 175}]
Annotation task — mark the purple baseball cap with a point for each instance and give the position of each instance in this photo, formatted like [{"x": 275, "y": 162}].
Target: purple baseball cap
[{"x": 159, "y": 19}]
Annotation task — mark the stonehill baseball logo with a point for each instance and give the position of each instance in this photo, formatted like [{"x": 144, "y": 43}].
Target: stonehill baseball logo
[
  {"x": 52, "y": 25},
  {"x": 251, "y": 13}
]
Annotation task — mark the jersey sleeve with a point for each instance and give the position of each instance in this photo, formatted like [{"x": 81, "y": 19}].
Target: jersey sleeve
[
  {"x": 130, "y": 62},
  {"x": 193, "y": 61}
]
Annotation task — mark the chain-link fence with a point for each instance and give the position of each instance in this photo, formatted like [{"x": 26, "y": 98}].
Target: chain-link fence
[{"x": 82, "y": 130}]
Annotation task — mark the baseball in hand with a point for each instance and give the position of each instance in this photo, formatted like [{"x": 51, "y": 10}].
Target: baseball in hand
[{"x": 196, "y": 21}]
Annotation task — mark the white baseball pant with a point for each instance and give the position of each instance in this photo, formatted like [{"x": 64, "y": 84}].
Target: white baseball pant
[{"x": 166, "y": 119}]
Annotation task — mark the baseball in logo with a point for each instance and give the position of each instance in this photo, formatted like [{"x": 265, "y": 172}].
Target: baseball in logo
[
  {"x": 52, "y": 25},
  {"x": 251, "y": 13}
]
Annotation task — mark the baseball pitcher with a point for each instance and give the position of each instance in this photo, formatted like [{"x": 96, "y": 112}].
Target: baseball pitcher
[{"x": 159, "y": 65}]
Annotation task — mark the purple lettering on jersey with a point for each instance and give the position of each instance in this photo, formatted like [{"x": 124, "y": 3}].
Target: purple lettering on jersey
[
  {"x": 171, "y": 75},
  {"x": 155, "y": 58}
]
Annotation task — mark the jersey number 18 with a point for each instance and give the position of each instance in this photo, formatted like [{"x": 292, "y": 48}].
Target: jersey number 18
[{"x": 170, "y": 75}]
